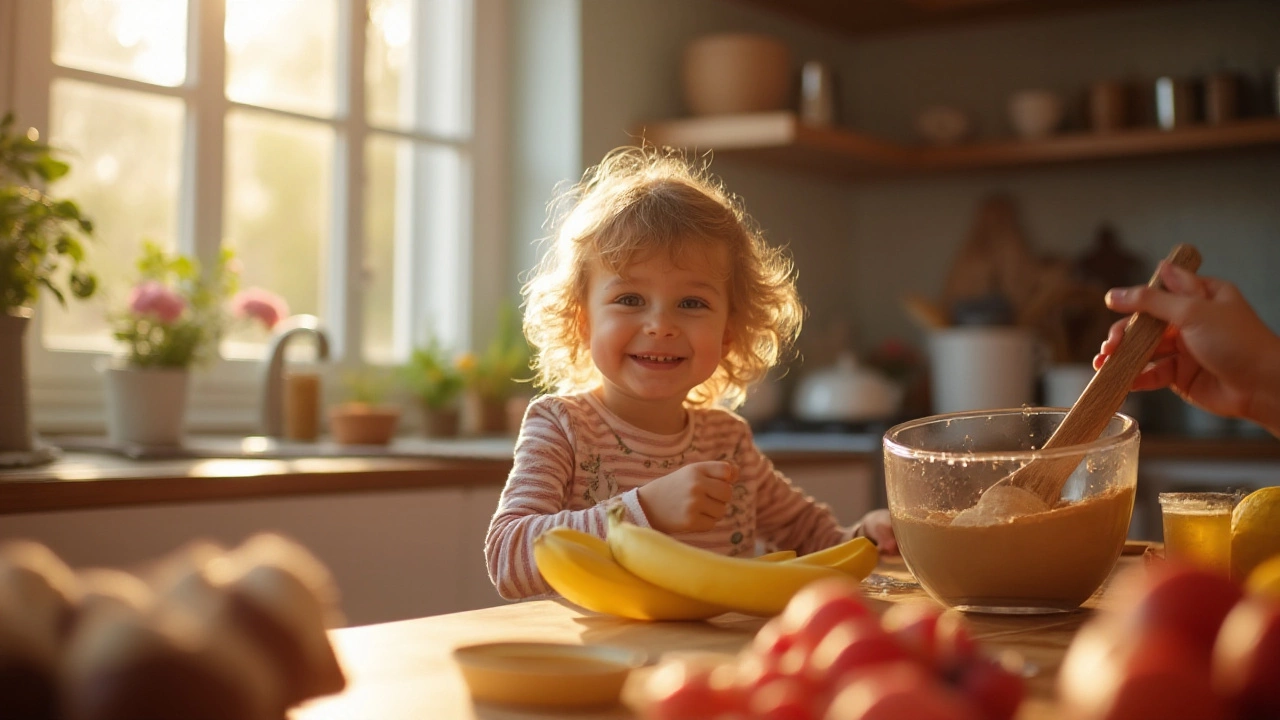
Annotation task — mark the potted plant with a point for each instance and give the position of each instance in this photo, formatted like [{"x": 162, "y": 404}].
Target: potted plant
[
  {"x": 41, "y": 249},
  {"x": 364, "y": 418},
  {"x": 493, "y": 377},
  {"x": 432, "y": 376},
  {"x": 172, "y": 321}
]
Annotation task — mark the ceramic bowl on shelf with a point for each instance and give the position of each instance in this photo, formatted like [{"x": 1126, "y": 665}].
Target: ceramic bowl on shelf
[
  {"x": 1035, "y": 114},
  {"x": 943, "y": 125},
  {"x": 734, "y": 73}
]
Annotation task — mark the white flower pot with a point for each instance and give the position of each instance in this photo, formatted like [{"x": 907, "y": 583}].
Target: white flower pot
[{"x": 145, "y": 406}]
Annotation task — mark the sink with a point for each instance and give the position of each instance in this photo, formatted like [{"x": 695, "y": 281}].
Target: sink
[{"x": 261, "y": 447}]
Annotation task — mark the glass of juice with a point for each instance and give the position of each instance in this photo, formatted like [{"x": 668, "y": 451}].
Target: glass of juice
[{"x": 1197, "y": 527}]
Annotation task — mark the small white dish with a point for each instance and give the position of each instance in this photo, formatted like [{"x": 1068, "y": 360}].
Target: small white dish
[{"x": 546, "y": 675}]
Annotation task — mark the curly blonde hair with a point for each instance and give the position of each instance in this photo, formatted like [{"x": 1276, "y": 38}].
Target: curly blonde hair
[{"x": 639, "y": 200}]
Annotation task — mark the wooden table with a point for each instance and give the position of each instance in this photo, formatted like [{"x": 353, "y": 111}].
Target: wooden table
[{"x": 402, "y": 670}]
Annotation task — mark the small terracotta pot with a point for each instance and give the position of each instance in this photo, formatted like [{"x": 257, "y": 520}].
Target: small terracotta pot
[
  {"x": 483, "y": 416},
  {"x": 439, "y": 422},
  {"x": 361, "y": 424}
]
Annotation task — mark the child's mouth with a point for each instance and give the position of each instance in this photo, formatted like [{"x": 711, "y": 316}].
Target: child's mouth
[{"x": 657, "y": 360}]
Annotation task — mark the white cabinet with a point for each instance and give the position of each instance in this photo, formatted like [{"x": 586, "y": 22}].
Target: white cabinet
[
  {"x": 395, "y": 555},
  {"x": 848, "y": 486}
]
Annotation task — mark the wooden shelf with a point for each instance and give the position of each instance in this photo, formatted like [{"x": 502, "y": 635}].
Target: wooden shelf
[
  {"x": 780, "y": 139},
  {"x": 858, "y": 18}
]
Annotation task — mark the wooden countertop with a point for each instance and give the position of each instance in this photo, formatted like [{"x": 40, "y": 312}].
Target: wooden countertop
[
  {"x": 403, "y": 670},
  {"x": 80, "y": 480}
]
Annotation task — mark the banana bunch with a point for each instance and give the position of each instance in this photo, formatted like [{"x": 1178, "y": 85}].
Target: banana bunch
[
  {"x": 580, "y": 567},
  {"x": 681, "y": 582}
]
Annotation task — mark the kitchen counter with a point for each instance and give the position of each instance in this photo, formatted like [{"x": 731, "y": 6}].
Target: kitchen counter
[
  {"x": 403, "y": 669},
  {"x": 212, "y": 469}
]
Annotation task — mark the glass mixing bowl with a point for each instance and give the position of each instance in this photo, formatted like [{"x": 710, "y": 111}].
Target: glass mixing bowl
[{"x": 1041, "y": 562}]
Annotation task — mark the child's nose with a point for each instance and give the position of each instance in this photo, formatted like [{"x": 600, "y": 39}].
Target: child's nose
[{"x": 660, "y": 324}]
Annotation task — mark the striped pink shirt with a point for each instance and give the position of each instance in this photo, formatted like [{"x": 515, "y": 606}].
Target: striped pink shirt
[{"x": 574, "y": 460}]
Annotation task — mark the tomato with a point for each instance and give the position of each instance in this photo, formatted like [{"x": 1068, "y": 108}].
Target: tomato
[
  {"x": 820, "y": 606},
  {"x": 754, "y": 671},
  {"x": 1246, "y": 658},
  {"x": 915, "y": 626},
  {"x": 1183, "y": 599},
  {"x": 954, "y": 645},
  {"x": 783, "y": 699},
  {"x": 852, "y": 646},
  {"x": 991, "y": 688},
  {"x": 775, "y": 639},
  {"x": 686, "y": 690},
  {"x": 898, "y": 691}
]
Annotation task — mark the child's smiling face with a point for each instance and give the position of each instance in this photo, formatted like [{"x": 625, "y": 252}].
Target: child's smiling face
[{"x": 657, "y": 330}]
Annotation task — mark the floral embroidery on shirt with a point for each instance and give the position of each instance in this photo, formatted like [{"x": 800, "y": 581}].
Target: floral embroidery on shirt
[{"x": 593, "y": 494}]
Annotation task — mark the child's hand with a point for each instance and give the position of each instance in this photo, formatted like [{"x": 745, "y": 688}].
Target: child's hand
[
  {"x": 691, "y": 499},
  {"x": 877, "y": 528}
]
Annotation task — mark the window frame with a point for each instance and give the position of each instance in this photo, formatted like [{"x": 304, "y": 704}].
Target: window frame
[{"x": 66, "y": 391}]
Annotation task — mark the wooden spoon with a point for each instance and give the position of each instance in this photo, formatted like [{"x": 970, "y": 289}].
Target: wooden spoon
[{"x": 1042, "y": 479}]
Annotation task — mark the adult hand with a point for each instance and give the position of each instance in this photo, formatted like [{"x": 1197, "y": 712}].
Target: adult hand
[
  {"x": 1217, "y": 353},
  {"x": 691, "y": 499}
]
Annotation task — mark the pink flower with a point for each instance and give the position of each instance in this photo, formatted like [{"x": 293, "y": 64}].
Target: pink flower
[
  {"x": 154, "y": 300},
  {"x": 262, "y": 305}
]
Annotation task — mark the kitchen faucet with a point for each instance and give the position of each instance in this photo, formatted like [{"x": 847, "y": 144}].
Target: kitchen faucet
[{"x": 273, "y": 380}]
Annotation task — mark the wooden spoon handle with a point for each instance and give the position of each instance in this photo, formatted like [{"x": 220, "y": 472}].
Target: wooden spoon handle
[{"x": 1110, "y": 385}]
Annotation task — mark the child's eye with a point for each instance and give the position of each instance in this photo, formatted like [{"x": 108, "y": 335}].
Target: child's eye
[
  {"x": 692, "y": 303},
  {"x": 629, "y": 300}
]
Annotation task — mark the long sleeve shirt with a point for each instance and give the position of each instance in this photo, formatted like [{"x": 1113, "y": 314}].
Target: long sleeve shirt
[{"x": 574, "y": 460}]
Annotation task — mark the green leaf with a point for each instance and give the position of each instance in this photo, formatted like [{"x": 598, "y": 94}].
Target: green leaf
[
  {"x": 50, "y": 169},
  {"x": 83, "y": 284},
  {"x": 54, "y": 289}
]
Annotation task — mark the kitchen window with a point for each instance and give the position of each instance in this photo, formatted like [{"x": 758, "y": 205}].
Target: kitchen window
[{"x": 333, "y": 144}]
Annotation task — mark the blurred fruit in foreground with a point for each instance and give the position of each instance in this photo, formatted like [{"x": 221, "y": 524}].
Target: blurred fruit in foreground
[
  {"x": 1255, "y": 531},
  {"x": 1183, "y": 642},
  {"x": 1246, "y": 659},
  {"x": 828, "y": 657},
  {"x": 1265, "y": 579}
]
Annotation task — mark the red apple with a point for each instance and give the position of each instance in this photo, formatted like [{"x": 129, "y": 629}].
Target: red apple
[
  {"x": 1178, "y": 598},
  {"x": 897, "y": 691},
  {"x": 1246, "y": 658},
  {"x": 1109, "y": 674}
]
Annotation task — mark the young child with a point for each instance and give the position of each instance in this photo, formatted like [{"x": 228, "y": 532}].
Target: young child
[{"x": 657, "y": 303}]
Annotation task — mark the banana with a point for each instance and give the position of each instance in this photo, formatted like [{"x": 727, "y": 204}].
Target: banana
[
  {"x": 747, "y": 586},
  {"x": 579, "y": 567},
  {"x": 777, "y": 556},
  {"x": 856, "y": 557}
]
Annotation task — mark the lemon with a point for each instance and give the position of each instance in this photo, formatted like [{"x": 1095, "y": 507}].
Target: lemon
[
  {"x": 1265, "y": 579},
  {"x": 1255, "y": 531}
]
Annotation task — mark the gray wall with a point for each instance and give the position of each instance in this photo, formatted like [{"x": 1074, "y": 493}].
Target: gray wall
[{"x": 860, "y": 247}]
